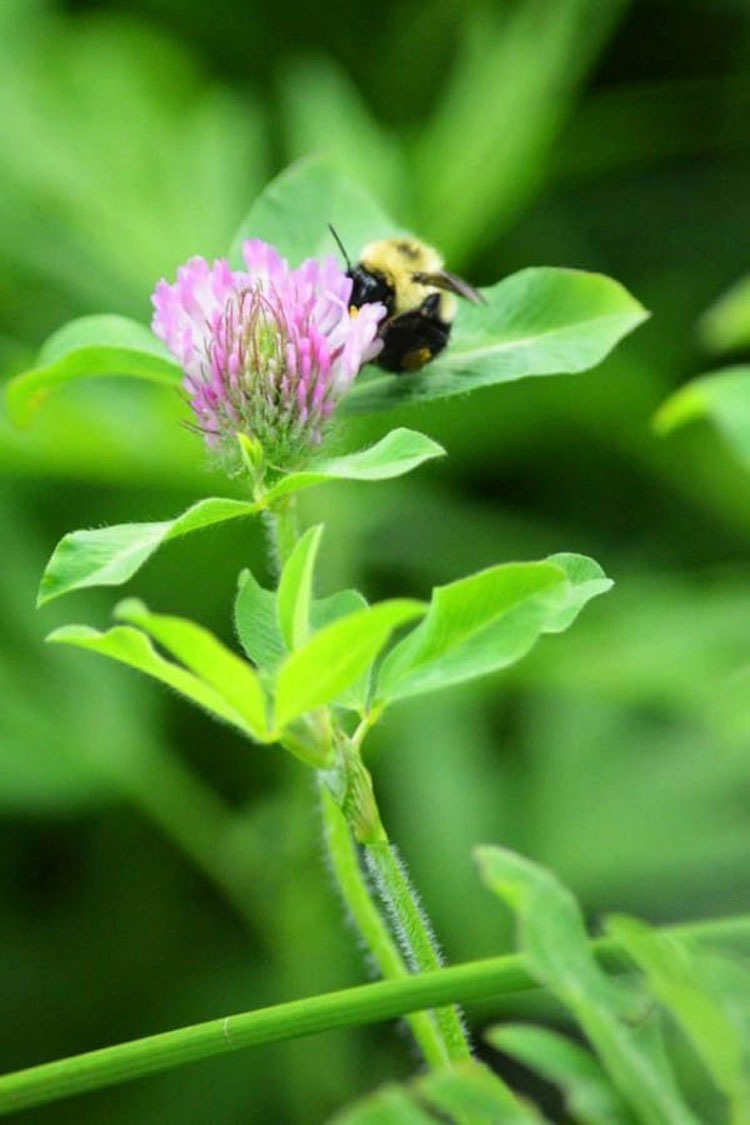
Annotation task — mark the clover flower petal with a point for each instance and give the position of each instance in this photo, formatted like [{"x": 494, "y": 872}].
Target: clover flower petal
[{"x": 267, "y": 351}]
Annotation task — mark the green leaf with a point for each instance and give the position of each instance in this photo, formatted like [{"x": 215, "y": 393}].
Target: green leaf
[
  {"x": 397, "y": 453},
  {"x": 553, "y": 938},
  {"x": 84, "y": 349},
  {"x": 204, "y": 655},
  {"x": 294, "y": 595},
  {"x": 487, "y": 621},
  {"x": 257, "y": 623},
  {"x": 294, "y": 210},
  {"x": 109, "y": 556},
  {"x": 725, "y": 326},
  {"x": 473, "y": 626},
  {"x": 335, "y": 657},
  {"x": 587, "y": 580},
  {"x": 390, "y": 1105},
  {"x": 471, "y": 1092},
  {"x": 537, "y": 322},
  {"x": 589, "y": 1096},
  {"x": 323, "y": 612},
  {"x": 131, "y": 647},
  {"x": 674, "y": 978},
  {"x": 723, "y": 398},
  {"x": 463, "y": 1092}
]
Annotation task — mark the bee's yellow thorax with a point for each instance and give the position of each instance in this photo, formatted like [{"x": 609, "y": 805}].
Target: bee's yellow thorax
[{"x": 396, "y": 260}]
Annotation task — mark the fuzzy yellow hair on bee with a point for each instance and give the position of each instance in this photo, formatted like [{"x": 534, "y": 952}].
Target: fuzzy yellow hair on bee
[{"x": 409, "y": 278}]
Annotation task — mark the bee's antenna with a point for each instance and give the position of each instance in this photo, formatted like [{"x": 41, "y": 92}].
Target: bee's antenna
[{"x": 340, "y": 245}]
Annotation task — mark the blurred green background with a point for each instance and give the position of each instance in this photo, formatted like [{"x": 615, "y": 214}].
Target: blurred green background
[{"x": 154, "y": 869}]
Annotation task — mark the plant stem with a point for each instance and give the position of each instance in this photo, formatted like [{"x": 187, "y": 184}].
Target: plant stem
[
  {"x": 283, "y": 529},
  {"x": 350, "y": 1007},
  {"x": 353, "y": 795},
  {"x": 356, "y": 895},
  {"x": 415, "y": 934},
  {"x": 409, "y": 922},
  {"x": 441, "y": 1034}
]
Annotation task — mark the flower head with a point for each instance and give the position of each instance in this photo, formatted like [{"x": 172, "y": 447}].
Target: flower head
[{"x": 267, "y": 351}]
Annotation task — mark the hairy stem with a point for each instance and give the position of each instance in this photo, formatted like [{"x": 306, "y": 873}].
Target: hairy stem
[
  {"x": 282, "y": 525},
  {"x": 345, "y": 865},
  {"x": 408, "y": 918},
  {"x": 440, "y": 1035},
  {"x": 414, "y": 933}
]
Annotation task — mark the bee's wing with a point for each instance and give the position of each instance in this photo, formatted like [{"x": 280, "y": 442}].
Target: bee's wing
[{"x": 453, "y": 284}]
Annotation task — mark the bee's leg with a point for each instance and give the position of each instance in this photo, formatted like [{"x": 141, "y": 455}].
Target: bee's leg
[{"x": 414, "y": 338}]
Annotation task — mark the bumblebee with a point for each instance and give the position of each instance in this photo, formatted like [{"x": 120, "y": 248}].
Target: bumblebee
[{"x": 408, "y": 277}]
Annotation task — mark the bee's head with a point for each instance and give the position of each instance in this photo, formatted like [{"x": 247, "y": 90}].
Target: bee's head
[{"x": 368, "y": 287}]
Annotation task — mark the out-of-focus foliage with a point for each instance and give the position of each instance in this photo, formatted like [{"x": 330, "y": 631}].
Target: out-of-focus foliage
[
  {"x": 606, "y": 137},
  {"x": 465, "y": 1091},
  {"x": 724, "y": 396},
  {"x": 725, "y": 326}
]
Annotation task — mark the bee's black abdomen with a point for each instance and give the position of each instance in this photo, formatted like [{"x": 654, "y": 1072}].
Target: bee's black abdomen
[{"x": 414, "y": 338}]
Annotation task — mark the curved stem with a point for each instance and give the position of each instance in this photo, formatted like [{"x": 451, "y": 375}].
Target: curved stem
[{"x": 356, "y": 895}]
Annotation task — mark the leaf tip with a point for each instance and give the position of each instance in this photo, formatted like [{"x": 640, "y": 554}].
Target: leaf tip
[
  {"x": 429, "y": 446},
  {"x": 315, "y": 532},
  {"x": 491, "y": 858},
  {"x": 640, "y": 312},
  {"x": 131, "y": 610},
  {"x": 683, "y": 406},
  {"x": 70, "y": 634},
  {"x": 47, "y": 592},
  {"x": 434, "y": 448}
]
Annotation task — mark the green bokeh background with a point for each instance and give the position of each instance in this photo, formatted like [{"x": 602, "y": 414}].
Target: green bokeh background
[{"x": 154, "y": 869}]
